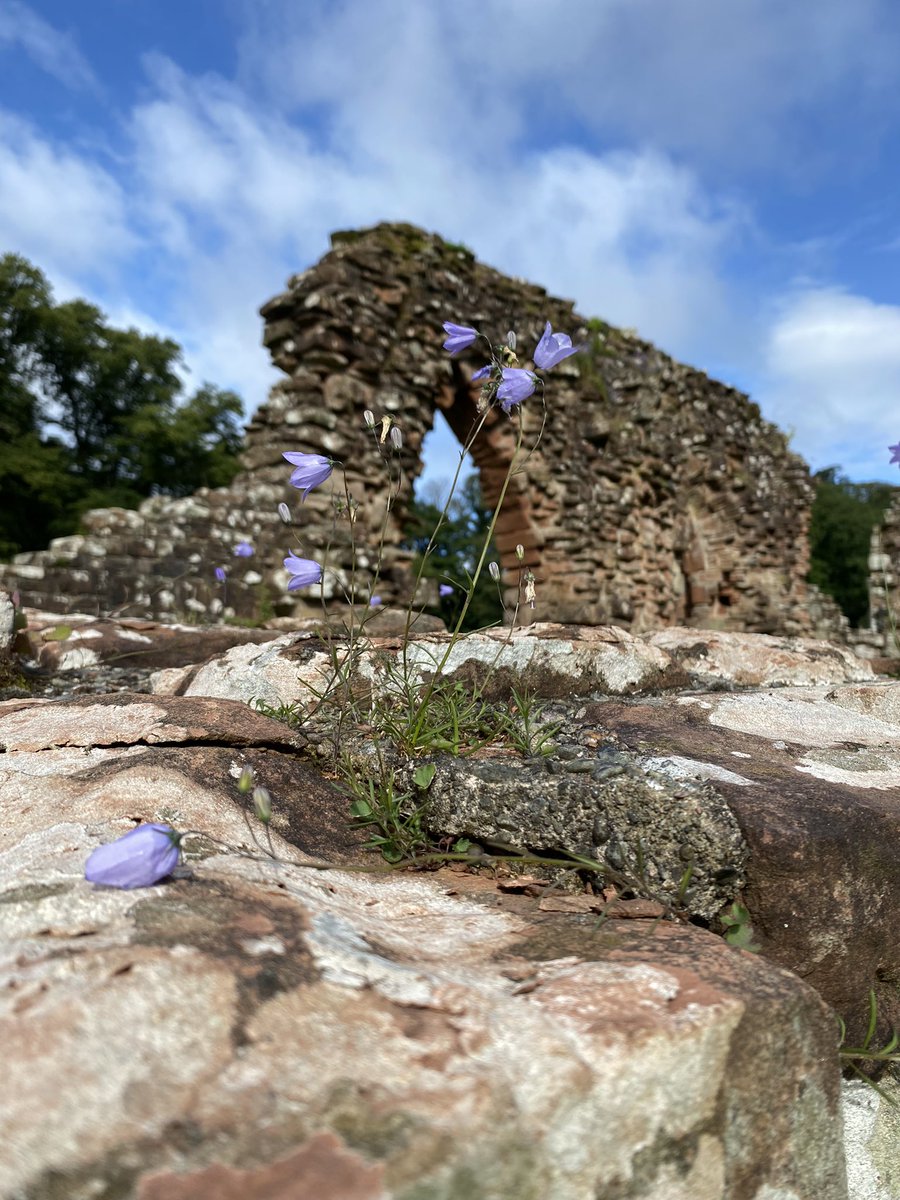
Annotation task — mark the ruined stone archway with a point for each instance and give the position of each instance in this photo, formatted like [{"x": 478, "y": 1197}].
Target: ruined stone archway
[{"x": 656, "y": 495}]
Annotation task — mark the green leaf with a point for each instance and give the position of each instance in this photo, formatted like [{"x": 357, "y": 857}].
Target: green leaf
[
  {"x": 59, "y": 633},
  {"x": 423, "y": 776},
  {"x": 462, "y": 846},
  {"x": 361, "y": 809}
]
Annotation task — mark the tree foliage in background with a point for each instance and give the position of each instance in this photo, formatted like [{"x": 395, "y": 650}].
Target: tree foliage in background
[
  {"x": 456, "y": 551},
  {"x": 843, "y": 517},
  {"x": 92, "y": 416}
]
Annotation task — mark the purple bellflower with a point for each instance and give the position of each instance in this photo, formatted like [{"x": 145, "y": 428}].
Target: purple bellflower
[
  {"x": 445, "y": 589},
  {"x": 243, "y": 550},
  {"x": 552, "y": 348},
  {"x": 459, "y": 337},
  {"x": 895, "y": 453},
  {"x": 139, "y": 858},
  {"x": 310, "y": 470},
  {"x": 303, "y": 571},
  {"x": 517, "y": 386},
  {"x": 484, "y": 373},
  {"x": 375, "y": 602},
  {"x": 221, "y": 574}
]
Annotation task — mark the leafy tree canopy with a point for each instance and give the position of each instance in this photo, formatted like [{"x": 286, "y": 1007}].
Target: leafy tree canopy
[
  {"x": 843, "y": 517},
  {"x": 92, "y": 416}
]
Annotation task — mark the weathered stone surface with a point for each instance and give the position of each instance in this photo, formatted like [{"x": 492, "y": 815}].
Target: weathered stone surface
[
  {"x": 550, "y": 660},
  {"x": 814, "y": 788},
  {"x": 810, "y": 774},
  {"x": 872, "y": 1138},
  {"x": 539, "y": 657},
  {"x": 630, "y": 818},
  {"x": 683, "y": 507},
  {"x": 7, "y": 624},
  {"x": 150, "y": 759},
  {"x": 323, "y": 1167},
  {"x": 758, "y": 660},
  {"x": 416, "y": 1040},
  {"x": 252, "y": 1028},
  {"x": 78, "y": 640}
]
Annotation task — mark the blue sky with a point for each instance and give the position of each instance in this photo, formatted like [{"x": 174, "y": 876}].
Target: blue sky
[{"x": 720, "y": 175}]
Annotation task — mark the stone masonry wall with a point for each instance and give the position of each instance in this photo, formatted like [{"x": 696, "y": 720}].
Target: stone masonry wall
[
  {"x": 656, "y": 496},
  {"x": 884, "y": 583}
]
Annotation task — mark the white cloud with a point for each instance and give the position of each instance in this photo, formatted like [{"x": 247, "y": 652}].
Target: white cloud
[
  {"x": 244, "y": 198},
  {"x": 54, "y": 52},
  {"x": 833, "y": 373},
  {"x": 630, "y": 236},
  {"x": 65, "y": 212},
  {"x": 463, "y": 118},
  {"x": 727, "y": 82}
]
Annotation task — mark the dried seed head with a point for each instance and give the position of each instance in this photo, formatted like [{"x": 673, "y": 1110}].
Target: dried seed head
[
  {"x": 529, "y": 588},
  {"x": 262, "y": 803}
]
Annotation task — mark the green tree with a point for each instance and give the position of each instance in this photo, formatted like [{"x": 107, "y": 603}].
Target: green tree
[
  {"x": 456, "y": 551},
  {"x": 92, "y": 416},
  {"x": 843, "y": 517}
]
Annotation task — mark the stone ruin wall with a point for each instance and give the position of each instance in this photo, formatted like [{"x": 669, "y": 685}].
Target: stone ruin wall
[
  {"x": 884, "y": 585},
  {"x": 656, "y": 496}
]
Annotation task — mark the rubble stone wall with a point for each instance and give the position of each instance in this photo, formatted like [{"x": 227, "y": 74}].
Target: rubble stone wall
[
  {"x": 654, "y": 495},
  {"x": 884, "y": 583}
]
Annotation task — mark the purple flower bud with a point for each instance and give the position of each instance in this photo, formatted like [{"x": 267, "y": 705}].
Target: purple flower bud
[
  {"x": 284, "y": 512},
  {"x": 511, "y": 340},
  {"x": 459, "y": 336},
  {"x": 445, "y": 589},
  {"x": 304, "y": 572},
  {"x": 553, "y": 348},
  {"x": 494, "y": 569},
  {"x": 397, "y": 438},
  {"x": 243, "y": 550},
  {"x": 895, "y": 453},
  {"x": 517, "y": 386},
  {"x": 221, "y": 574},
  {"x": 311, "y": 470},
  {"x": 482, "y": 374},
  {"x": 374, "y": 602},
  {"x": 137, "y": 859}
]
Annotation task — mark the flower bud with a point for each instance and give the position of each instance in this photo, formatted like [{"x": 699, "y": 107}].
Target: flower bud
[
  {"x": 396, "y": 437},
  {"x": 511, "y": 339},
  {"x": 494, "y": 570},
  {"x": 369, "y": 418},
  {"x": 262, "y": 803},
  {"x": 285, "y": 513},
  {"x": 246, "y": 781},
  {"x": 520, "y": 552}
]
